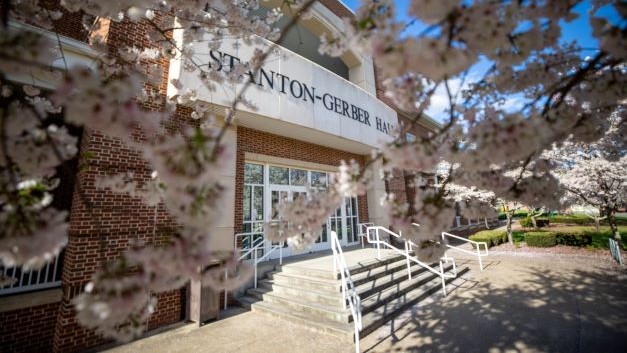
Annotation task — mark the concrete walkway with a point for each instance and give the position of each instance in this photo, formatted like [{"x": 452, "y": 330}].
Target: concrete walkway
[{"x": 517, "y": 304}]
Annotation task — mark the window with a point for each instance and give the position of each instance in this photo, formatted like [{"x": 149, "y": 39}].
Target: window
[
  {"x": 298, "y": 177},
  {"x": 352, "y": 219},
  {"x": 253, "y": 206},
  {"x": 279, "y": 175},
  {"x": 319, "y": 179}
]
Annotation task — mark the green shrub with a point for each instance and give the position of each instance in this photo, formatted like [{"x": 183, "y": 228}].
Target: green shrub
[
  {"x": 574, "y": 219},
  {"x": 573, "y": 239},
  {"x": 540, "y": 222},
  {"x": 502, "y": 216},
  {"x": 540, "y": 239},
  {"x": 491, "y": 237},
  {"x": 583, "y": 219},
  {"x": 521, "y": 214},
  {"x": 526, "y": 222}
]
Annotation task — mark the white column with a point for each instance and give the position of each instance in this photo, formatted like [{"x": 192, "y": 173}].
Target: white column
[
  {"x": 376, "y": 212},
  {"x": 224, "y": 229}
]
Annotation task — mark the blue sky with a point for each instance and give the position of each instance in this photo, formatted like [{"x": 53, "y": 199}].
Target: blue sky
[{"x": 578, "y": 30}]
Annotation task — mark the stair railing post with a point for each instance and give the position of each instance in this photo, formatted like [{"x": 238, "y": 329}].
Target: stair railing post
[
  {"x": 226, "y": 276},
  {"x": 281, "y": 253},
  {"x": 378, "y": 245},
  {"x": 255, "y": 263},
  {"x": 407, "y": 259},
  {"x": 442, "y": 278}
]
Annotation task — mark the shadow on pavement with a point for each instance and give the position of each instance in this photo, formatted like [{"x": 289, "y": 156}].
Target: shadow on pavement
[{"x": 518, "y": 308}]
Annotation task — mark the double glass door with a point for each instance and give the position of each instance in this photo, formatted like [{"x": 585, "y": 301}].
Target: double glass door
[{"x": 343, "y": 221}]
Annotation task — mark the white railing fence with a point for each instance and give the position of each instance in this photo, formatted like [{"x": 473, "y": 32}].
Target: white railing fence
[
  {"x": 252, "y": 251},
  {"x": 477, "y": 245},
  {"x": 349, "y": 291},
  {"x": 363, "y": 234},
  {"x": 615, "y": 251},
  {"x": 375, "y": 231},
  {"x": 48, "y": 276}
]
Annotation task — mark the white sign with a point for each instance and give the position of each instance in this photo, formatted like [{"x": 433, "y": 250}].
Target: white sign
[{"x": 293, "y": 89}]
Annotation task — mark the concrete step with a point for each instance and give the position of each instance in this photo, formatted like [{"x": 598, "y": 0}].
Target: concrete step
[
  {"x": 308, "y": 295},
  {"x": 366, "y": 266},
  {"x": 370, "y": 321},
  {"x": 385, "y": 271},
  {"x": 399, "y": 289},
  {"x": 247, "y": 301},
  {"x": 377, "y": 284},
  {"x": 376, "y": 318},
  {"x": 301, "y": 281},
  {"x": 311, "y": 309},
  {"x": 336, "y": 329}
]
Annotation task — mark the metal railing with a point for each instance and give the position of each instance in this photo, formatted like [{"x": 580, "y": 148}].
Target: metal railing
[
  {"x": 349, "y": 291},
  {"x": 407, "y": 253},
  {"x": 362, "y": 232},
  {"x": 615, "y": 251},
  {"x": 476, "y": 244},
  {"x": 255, "y": 246},
  {"x": 48, "y": 276}
]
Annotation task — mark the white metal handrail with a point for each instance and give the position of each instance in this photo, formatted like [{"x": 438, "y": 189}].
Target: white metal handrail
[
  {"x": 255, "y": 245},
  {"x": 349, "y": 291},
  {"x": 363, "y": 235},
  {"x": 408, "y": 249},
  {"x": 477, "y": 244}
]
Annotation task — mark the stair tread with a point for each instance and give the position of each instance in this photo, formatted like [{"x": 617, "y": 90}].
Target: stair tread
[
  {"x": 328, "y": 295},
  {"x": 397, "y": 304},
  {"x": 322, "y": 307},
  {"x": 323, "y": 323},
  {"x": 389, "y": 291},
  {"x": 391, "y": 267},
  {"x": 384, "y": 280}
]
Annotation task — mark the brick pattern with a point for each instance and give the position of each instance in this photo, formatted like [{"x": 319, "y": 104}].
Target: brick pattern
[
  {"x": 28, "y": 330},
  {"x": 338, "y": 8},
  {"x": 255, "y": 141},
  {"x": 101, "y": 232}
]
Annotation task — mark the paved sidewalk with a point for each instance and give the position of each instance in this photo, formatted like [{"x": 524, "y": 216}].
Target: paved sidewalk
[{"x": 517, "y": 304}]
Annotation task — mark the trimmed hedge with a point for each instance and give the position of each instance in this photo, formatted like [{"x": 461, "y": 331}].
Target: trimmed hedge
[
  {"x": 583, "y": 219},
  {"x": 540, "y": 239},
  {"x": 490, "y": 237},
  {"x": 540, "y": 222}
]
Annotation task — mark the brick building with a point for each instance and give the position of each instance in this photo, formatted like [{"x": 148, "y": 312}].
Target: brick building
[{"x": 313, "y": 112}]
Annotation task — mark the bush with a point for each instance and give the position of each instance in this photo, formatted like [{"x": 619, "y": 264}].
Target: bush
[
  {"x": 573, "y": 239},
  {"x": 540, "y": 239},
  {"x": 490, "y": 237},
  {"x": 540, "y": 222},
  {"x": 583, "y": 219},
  {"x": 575, "y": 219},
  {"x": 502, "y": 216},
  {"x": 521, "y": 214}
]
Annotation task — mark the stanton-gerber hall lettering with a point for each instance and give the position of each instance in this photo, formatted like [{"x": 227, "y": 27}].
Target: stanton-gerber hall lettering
[{"x": 298, "y": 90}]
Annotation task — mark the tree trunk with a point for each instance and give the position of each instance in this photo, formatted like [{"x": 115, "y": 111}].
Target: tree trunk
[
  {"x": 510, "y": 238},
  {"x": 533, "y": 221},
  {"x": 597, "y": 224}
]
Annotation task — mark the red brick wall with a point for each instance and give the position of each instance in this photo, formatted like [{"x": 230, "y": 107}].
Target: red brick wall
[
  {"x": 337, "y": 8},
  {"x": 101, "y": 227},
  {"x": 28, "y": 330},
  {"x": 255, "y": 141}
]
